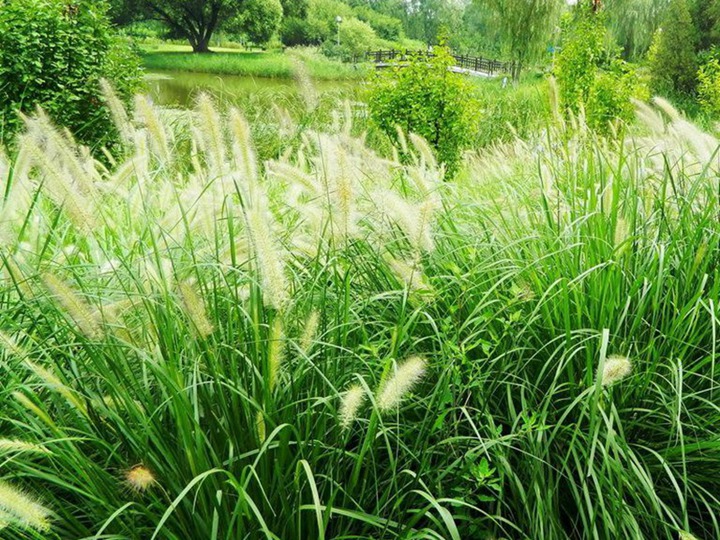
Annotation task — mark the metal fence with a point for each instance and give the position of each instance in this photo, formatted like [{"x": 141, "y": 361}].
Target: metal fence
[{"x": 471, "y": 63}]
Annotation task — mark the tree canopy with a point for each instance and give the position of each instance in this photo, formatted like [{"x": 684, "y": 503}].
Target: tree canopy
[
  {"x": 524, "y": 26},
  {"x": 196, "y": 20}
]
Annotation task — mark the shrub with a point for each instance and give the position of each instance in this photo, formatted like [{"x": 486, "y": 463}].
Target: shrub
[
  {"x": 53, "y": 55},
  {"x": 322, "y": 14},
  {"x": 609, "y": 98},
  {"x": 428, "y": 99},
  {"x": 356, "y": 37},
  {"x": 709, "y": 87},
  {"x": 591, "y": 76}
]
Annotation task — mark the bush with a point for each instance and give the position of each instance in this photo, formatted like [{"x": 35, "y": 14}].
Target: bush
[
  {"x": 709, "y": 87},
  {"x": 591, "y": 76},
  {"x": 609, "y": 98},
  {"x": 356, "y": 37},
  {"x": 53, "y": 55},
  {"x": 426, "y": 98}
]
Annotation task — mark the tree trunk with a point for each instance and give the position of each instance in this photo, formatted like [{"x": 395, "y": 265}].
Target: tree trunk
[
  {"x": 201, "y": 46},
  {"x": 516, "y": 70}
]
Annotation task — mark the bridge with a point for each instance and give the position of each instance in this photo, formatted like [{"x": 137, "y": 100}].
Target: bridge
[{"x": 468, "y": 65}]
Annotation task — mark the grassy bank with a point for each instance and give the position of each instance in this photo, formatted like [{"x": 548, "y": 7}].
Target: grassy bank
[
  {"x": 339, "y": 345},
  {"x": 255, "y": 64}
]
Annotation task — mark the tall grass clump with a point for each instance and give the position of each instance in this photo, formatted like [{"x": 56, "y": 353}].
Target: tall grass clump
[{"x": 334, "y": 344}]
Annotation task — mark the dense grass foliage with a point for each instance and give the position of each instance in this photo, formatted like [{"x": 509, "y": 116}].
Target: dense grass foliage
[
  {"x": 252, "y": 64},
  {"x": 517, "y": 111},
  {"x": 336, "y": 345}
]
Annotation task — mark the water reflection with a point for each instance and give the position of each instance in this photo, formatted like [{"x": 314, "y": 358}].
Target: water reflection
[{"x": 179, "y": 88}]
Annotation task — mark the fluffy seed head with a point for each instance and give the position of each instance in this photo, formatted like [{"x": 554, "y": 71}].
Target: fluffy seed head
[
  {"x": 415, "y": 220},
  {"x": 423, "y": 149},
  {"x": 411, "y": 275},
  {"x": 9, "y": 344},
  {"x": 8, "y": 446},
  {"x": 394, "y": 389},
  {"x": 23, "y": 509},
  {"x": 352, "y": 400},
  {"x": 51, "y": 380},
  {"x": 242, "y": 146},
  {"x": 309, "y": 331},
  {"x": 140, "y": 478},
  {"x": 621, "y": 232},
  {"x": 307, "y": 89},
  {"x": 260, "y": 426},
  {"x": 210, "y": 129},
  {"x": 195, "y": 309},
  {"x": 616, "y": 368},
  {"x": 117, "y": 111},
  {"x": 74, "y": 306},
  {"x": 147, "y": 114},
  {"x": 268, "y": 257}
]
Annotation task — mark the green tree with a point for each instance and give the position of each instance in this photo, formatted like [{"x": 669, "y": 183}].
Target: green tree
[
  {"x": 53, "y": 55},
  {"x": 672, "y": 58},
  {"x": 259, "y": 20},
  {"x": 591, "y": 77},
  {"x": 633, "y": 23},
  {"x": 195, "y": 20},
  {"x": 707, "y": 17},
  {"x": 295, "y": 8},
  {"x": 385, "y": 26},
  {"x": 581, "y": 53},
  {"x": 477, "y": 33},
  {"x": 524, "y": 26},
  {"x": 428, "y": 99}
]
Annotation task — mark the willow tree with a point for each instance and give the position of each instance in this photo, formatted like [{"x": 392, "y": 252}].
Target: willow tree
[
  {"x": 525, "y": 27},
  {"x": 633, "y": 23}
]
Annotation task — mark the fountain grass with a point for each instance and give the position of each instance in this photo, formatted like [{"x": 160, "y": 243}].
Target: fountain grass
[{"x": 234, "y": 349}]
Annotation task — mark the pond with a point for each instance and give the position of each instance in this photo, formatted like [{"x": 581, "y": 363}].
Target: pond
[{"x": 180, "y": 88}]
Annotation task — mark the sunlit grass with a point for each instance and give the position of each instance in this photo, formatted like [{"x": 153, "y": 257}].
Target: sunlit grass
[
  {"x": 334, "y": 344},
  {"x": 271, "y": 64}
]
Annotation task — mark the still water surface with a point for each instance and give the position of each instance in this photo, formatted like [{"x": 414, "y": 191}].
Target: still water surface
[{"x": 179, "y": 88}]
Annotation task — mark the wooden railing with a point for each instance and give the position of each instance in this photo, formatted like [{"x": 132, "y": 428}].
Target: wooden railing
[{"x": 471, "y": 63}]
